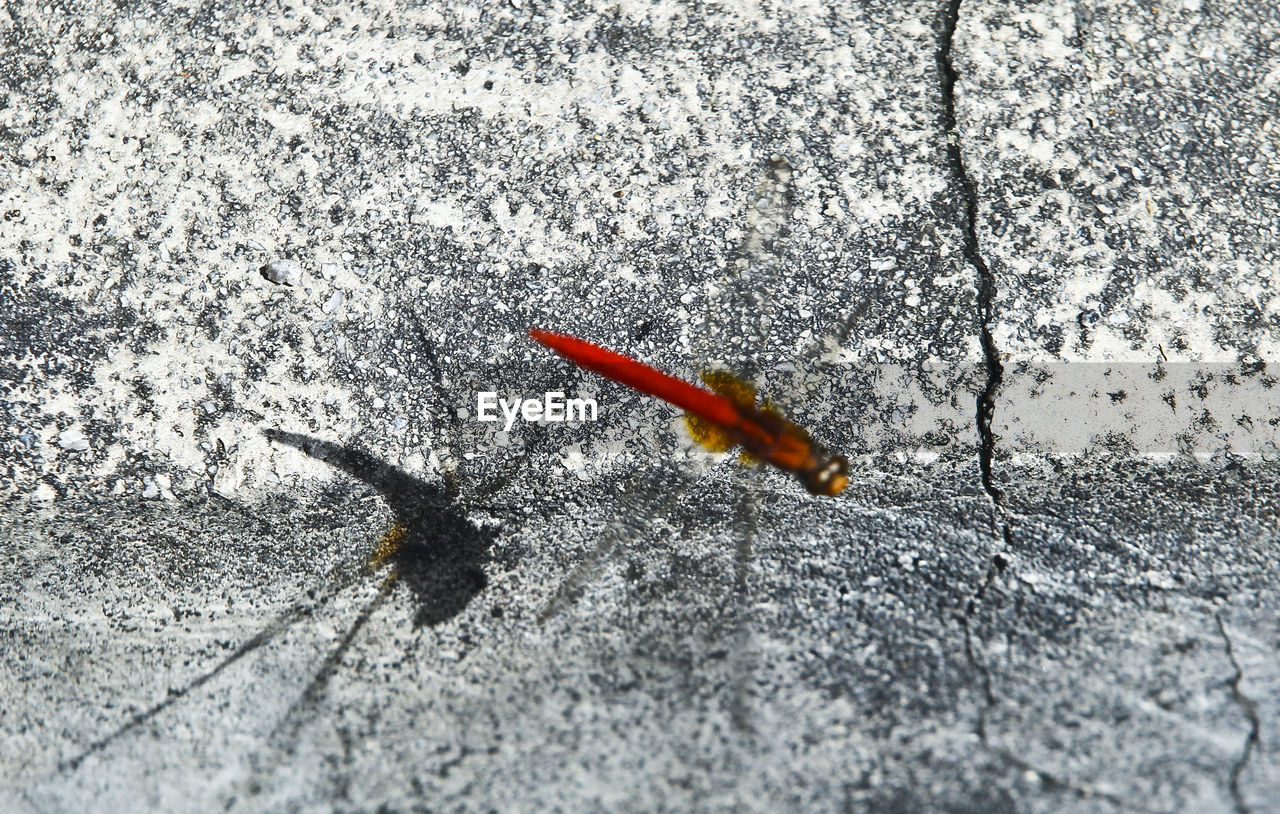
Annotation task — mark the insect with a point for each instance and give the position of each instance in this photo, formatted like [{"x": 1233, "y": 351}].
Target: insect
[
  {"x": 743, "y": 327},
  {"x": 719, "y": 417}
]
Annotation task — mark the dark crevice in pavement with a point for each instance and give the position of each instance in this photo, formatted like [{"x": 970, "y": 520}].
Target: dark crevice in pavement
[
  {"x": 1250, "y": 710},
  {"x": 989, "y": 699},
  {"x": 999, "y": 562},
  {"x": 986, "y": 297},
  {"x": 986, "y": 280},
  {"x": 1049, "y": 780},
  {"x": 995, "y": 372},
  {"x": 994, "y": 569}
]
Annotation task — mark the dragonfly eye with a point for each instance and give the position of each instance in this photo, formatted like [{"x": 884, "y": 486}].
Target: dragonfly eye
[{"x": 831, "y": 478}]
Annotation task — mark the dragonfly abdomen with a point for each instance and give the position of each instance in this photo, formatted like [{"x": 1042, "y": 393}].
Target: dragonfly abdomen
[{"x": 725, "y": 410}]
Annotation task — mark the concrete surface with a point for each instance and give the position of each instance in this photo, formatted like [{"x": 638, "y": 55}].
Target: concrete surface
[{"x": 1018, "y": 263}]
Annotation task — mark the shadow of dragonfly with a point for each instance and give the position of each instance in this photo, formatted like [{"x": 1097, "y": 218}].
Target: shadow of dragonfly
[
  {"x": 431, "y": 549},
  {"x": 436, "y": 552}
]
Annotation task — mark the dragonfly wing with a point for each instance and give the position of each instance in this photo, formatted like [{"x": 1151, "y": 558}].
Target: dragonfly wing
[
  {"x": 736, "y": 330},
  {"x": 647, "y": 497},
  {"x": 786, "y": 310}
]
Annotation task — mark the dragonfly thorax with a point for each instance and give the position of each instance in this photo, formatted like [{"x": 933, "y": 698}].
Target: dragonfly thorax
[{"x": 767, "y": 435}]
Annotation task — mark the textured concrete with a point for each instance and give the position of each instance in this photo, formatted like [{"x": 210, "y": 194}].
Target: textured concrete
[
  {"x": 1125, "y": 167},
  {"x": 1019, "y": 264}
]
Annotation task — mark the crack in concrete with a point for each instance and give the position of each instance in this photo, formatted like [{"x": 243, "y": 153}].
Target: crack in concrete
[
  {"x": 986, "y": 280},
  {"x": 995, "y": 371},
  {"x": 1048, "y": 779},
  {"x": 994, "y": 569},
  {"x": 986, "y": 405},
  {"x": 984, "y": 413},
  {"x": 989, "y": 699},
  {"x": 1250, "y": 710}
]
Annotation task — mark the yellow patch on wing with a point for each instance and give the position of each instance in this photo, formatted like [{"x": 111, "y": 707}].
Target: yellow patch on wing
[
  {"x": 711, "y": 436},
  {"x": 731, "y": 387},
  {"x": 708, "y": 435},
  {"x": 388, "y": 546}
]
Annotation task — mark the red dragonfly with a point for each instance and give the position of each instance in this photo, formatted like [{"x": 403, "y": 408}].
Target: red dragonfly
[
  {"x": 738, "y": 330},
  {"x": 720, "y": 417}
]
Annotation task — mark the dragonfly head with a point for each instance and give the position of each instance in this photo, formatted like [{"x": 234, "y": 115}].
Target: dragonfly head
[{"x": 828, "y": 478}]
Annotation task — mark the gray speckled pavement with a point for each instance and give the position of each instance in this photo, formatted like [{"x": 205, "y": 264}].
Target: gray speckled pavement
[{"x": 1019, "y": 263}]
